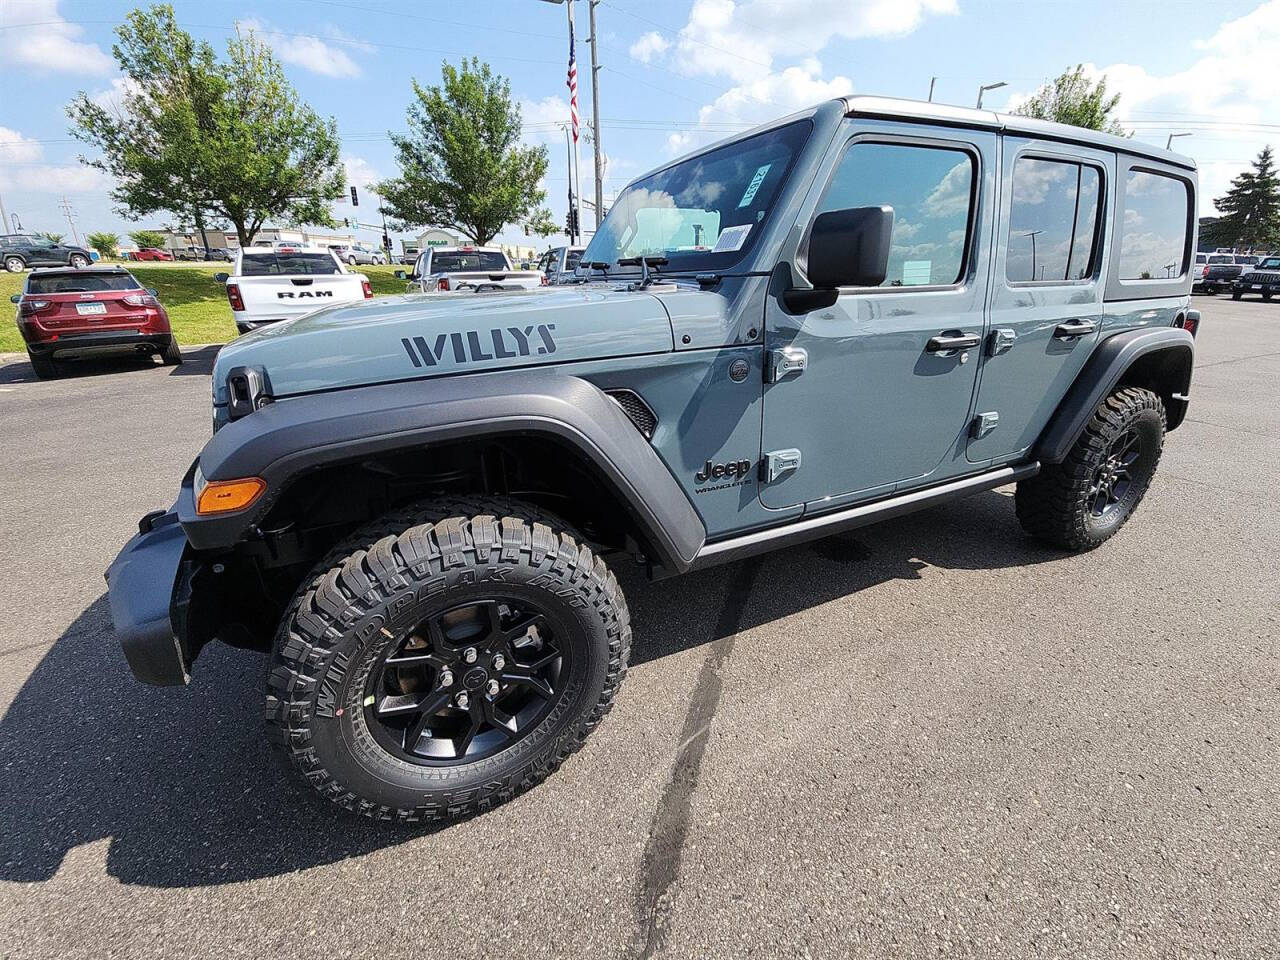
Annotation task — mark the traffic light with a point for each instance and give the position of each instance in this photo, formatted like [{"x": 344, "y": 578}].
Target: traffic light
[
  {"x": 346, "y": 222},
  {"x": 572, "y": 226},
  {"x": 355, "y": 201}
]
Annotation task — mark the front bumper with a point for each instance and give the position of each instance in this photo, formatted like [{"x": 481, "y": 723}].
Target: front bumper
[
  {"x": 1244, "y": 286},
  {"x": 141, "y": 583}
]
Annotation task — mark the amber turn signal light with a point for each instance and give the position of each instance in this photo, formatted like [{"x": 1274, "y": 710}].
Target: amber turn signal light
[{"x": 223, "y": 496}]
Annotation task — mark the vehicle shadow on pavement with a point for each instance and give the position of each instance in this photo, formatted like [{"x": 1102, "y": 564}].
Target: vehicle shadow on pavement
[
  {"x": 184, "y": 784},
  {"x": 196, "y": 362},
  {"x": 977, "y": 533}
]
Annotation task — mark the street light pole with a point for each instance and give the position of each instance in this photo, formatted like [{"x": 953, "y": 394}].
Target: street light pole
[
  {"x": 932, "y": 81},
  {"x": 4, "y": 217},
  {"x": 595, "y": 115},
  {"x": 989, "y": 86},
  {"x": 1169, "y": 142}
]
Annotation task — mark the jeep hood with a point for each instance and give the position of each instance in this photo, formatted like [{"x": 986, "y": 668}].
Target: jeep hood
[{"x": 428, "y": 335}]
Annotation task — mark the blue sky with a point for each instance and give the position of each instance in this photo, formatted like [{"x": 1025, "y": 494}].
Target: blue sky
[{"x": 676, "y": 73}]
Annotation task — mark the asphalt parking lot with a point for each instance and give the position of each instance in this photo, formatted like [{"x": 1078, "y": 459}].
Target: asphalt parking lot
[{"x": 929, "y": 737}]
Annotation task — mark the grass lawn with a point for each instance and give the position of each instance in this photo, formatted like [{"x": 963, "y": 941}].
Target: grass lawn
[{"x": 197, "y": 304}]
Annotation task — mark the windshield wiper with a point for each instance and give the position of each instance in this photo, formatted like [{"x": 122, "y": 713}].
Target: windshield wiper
[{"x": 645, "y": 264}]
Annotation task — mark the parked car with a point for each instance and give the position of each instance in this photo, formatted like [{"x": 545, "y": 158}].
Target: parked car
[
  {"x": 268, "y": 285},
  {"x": 72, "y": 312},
  {"x": 1215, "y": 272},
  {"x": 152, "y": 253},
  {"x": 1263, "y": 280},
  {"x": 865, "y": 309},
  {"x": 559, "y": 264},
  {"x": 354, "y": 253},
  {"x": 467, "y": 269},
  {"x": 19, "y": 251}
]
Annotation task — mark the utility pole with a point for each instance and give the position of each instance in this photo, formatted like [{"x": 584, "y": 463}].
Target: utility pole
[
  {"x": 68, "y": 212},
  {"x": 932, "y": 81},
  {"x": 595, "y": 117}
]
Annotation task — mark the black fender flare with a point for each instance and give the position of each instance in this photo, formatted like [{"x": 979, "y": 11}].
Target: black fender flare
[
  {"x": 292, "y": 436},
  {"x": 1165, "y": 355}
]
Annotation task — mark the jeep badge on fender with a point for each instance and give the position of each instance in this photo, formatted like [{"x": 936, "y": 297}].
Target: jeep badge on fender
[{"x": 414, "y": 505}]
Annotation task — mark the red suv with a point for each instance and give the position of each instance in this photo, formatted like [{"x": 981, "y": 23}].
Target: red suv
[
  {"x": 152, "y": 253},
  {"x": 67, "y": 312}
]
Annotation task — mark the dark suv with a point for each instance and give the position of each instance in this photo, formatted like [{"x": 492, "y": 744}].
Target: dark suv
[
  {"x": 19, "y": 251},
  {"x": 72, "y": 312}
]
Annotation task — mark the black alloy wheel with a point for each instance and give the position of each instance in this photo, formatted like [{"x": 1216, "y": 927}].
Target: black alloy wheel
[{"x": 466, "y": 682}]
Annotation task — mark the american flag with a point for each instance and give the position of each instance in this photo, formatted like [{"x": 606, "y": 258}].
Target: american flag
[{"x": 573, "y": 84}]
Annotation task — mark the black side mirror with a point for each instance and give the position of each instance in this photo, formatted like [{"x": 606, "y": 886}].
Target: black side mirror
[
  {"x": 401, "y": 275},
  {"x": 221, "y": 277},
  {"x": 847, "y": 248},
  {"x": 16, "y": 298}
]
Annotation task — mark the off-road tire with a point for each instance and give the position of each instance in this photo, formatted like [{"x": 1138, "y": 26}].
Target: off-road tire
[
  {"x": 44, "y": 367},
  {"x": 393, "y": 572},
  {"x": 1055, "y": 506},
  {"x": 171, "y": 356}
]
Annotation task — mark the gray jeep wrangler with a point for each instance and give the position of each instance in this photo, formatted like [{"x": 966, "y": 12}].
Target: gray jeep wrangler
[{"x": 412, "y": 503}]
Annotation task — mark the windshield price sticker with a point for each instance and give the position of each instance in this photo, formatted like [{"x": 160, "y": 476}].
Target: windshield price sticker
[
  {"x": 754, "y": 186},
  {"x": 731, "y": 239}
]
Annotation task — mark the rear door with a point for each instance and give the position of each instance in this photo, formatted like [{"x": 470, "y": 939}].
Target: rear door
[
  {"x": 1046, "y": 302},
  {"x": 883, "y": 402}
]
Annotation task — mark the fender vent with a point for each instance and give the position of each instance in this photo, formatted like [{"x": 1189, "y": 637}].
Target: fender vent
[{"x": 636, "y": 409}]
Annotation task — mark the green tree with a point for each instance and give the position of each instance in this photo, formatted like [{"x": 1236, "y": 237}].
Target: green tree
[
  {"x": 1250, "y": 209},
  {"x": 106, "y": 244},
  {"x": 461, "y": 163},
  {"x": 148, "y": 238},
  {"x": 54, "y": 237},
  {"x": 201, "y": 137},
  {"x": 1073, "y": 98}
]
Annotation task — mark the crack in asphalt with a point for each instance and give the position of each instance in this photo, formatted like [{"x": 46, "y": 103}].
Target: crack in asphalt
[{"x": 669, "y": 828}]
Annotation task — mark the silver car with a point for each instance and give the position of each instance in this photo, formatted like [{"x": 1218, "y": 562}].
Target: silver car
[{"x": 354, "y": 253}]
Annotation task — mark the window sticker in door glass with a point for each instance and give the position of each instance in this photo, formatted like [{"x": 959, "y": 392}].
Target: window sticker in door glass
[
  {"x": 917, "y": 273},
  {"x": 750, "y": 193},
  {"x": 732, "y": 238}
]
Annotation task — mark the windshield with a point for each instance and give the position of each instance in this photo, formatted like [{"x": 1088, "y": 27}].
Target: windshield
[
  {"x": 442, "y": 262},
  {"x": 1271, "y": 263},
  {"x": 270, "y": 264},
  {"x": 704, "y": 212},
  {"x": 81, "y": 282}
]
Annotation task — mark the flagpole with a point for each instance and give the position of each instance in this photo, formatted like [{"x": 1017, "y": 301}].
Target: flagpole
[{"x": 577, "y": 149}]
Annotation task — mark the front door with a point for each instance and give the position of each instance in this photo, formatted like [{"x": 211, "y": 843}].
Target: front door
[
  {"x": 884, "y": 400},
  {"x": 1046, "y": 302}
]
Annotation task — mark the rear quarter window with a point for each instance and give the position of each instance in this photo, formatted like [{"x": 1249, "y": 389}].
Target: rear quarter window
[{"x": 1153, "y": 242}]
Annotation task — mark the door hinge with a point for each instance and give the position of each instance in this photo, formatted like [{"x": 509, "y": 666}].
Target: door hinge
[
  {"x": 780, "y": 462},
  {"x": 1001, "y": 340},
  {"x": 983, "y": 424},
  {"x": 785, "y": 361}
]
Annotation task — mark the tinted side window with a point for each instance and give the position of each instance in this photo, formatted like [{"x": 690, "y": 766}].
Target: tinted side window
[
  {"x": 1053, "y": 221},
  {"x": 931, "y": 192},
  {"x": 1154, "y": 235}
]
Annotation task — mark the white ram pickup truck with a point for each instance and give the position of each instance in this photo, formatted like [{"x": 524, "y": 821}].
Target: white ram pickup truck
[
  {"x": 269, "y": 285},
  {"x": 468, "y": 269}
]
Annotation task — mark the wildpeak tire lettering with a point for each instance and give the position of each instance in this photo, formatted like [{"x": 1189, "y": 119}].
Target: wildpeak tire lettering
[{"x": 473, "y": 346}]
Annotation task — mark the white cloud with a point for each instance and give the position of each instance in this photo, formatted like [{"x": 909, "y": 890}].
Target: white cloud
[
  {"x": 771, "y": 95},
  {"x": 325, "y": 55},
  {"x": 112, "y": 99},
  {"x": 738, "y": 39},
  {"x": 22, "y": 168},
  {"x": 678, "y": 143},
  {"x": 359, "y": 172},
  {"x": 541, "y": 119},
  {"x": 53, "y": 45},
  {"x": 650, "y": 45},
  {"x": 1235, "y": 81}
]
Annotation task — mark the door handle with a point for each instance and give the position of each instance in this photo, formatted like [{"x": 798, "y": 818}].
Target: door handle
[
  {"x": 946, "y": 343},
  {"x": 1074, "y": 328}
]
